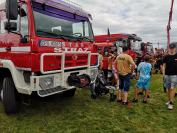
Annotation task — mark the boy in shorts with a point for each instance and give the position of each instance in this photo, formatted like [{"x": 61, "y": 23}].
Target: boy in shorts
[{"x": 144, "y": 72}]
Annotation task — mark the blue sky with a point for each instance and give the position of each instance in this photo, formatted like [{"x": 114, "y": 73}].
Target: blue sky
[{"x": 146, "y": 18}]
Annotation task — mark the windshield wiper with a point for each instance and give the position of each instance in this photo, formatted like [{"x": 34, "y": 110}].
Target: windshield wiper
[
  {"x": 52, "y": 34},
  {"x": 86, "y": 38},
  {"x": 80, "y": 37}
]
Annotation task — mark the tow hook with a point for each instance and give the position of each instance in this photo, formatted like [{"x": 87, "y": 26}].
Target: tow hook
[{"x": 79, "y": 80}]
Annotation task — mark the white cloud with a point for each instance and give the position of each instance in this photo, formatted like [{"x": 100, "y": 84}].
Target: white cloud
[
  {"x": 148, "y": 19},
  {"x": 1, "y": 1}
]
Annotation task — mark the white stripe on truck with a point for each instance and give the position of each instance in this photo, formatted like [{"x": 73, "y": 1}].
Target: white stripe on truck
[
  {"x": 21, "y": 49},
  {"x": 3, "y": 50}
]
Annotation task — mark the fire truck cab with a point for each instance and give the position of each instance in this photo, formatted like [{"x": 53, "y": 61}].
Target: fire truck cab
[
  {"x": 147, "y": 48},
  {"x": 107, "y": 42},
  {"x": 45, "y": 47}
]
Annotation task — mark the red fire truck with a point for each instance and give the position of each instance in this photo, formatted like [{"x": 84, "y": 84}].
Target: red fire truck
[
  {"x": 45, "y": 47},
  {"x": 147, "y": 48},
  {"x": 107, "y": 42}
]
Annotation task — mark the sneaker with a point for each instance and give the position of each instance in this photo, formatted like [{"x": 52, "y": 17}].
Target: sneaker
[
  {"x": 175, "y": 94},
  {"x": 170, "y": 106},
  {"x": 124, "y": 103},
  {"x": 140, "y": 93},
  {"x": 135, "y": 100},
  {"x": 119, "y": 100},
  {"x": 167, "y": 103},
  {"x": 144, "y": 101}
]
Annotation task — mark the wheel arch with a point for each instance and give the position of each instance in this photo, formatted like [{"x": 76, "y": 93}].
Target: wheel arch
[
  {"x": 9, "y": 69},
  {"x": 5, "y": 72}
]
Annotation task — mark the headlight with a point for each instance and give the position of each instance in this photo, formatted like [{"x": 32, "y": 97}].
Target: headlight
[{"x": 46, "y": 83}]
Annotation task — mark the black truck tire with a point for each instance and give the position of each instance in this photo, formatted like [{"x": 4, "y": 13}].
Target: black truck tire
[
  {"x": 1, "y": 82},
  {"x": 9, "y": 98},
  {"x": 69, "y": 93}
]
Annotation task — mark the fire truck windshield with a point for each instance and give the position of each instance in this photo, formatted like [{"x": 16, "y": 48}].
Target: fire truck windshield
[
  {"x": 136, "y": 46},
  {"x": 55, "y": 26},
  {"x": 149, "y": 48}
]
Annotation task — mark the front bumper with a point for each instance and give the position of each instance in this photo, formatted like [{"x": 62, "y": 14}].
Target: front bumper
[{"x": 46, "y": 85}]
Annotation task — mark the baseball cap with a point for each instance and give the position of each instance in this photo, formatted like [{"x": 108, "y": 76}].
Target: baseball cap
[{"x": 173, "y": 45}]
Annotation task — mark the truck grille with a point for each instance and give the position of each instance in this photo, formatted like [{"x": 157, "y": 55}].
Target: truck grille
[{"x": 74, "y": 60}]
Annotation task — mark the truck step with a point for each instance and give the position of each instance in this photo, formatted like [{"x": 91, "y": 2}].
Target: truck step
[{"x": 52, "y": 91}]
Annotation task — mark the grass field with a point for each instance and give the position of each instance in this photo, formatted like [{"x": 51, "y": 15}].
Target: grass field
[{"x": 81, "y": 114}]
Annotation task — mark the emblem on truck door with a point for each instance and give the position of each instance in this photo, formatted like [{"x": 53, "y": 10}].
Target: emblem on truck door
[
  {"x": 74, "y": 57},
  {"x": 51, "y": 43}
]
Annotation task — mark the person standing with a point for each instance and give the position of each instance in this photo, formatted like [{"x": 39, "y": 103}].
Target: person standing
[
  {"x": 100, "y": 59},
  {"x": 105, "y": 63},
  {"x": 125, "y": 67},
  {"x": 170, "y": 73},
  {"x": 144, "y": 72},
  {"x": 111, "y": 60}
]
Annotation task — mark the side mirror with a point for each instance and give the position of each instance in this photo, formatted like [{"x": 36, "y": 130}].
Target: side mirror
[
  {"x": 10, "y": 26},
  {"x": 11, "y": 9}
]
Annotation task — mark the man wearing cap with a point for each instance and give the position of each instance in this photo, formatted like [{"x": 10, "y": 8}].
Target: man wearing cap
[{"x": 170, "y": 73}]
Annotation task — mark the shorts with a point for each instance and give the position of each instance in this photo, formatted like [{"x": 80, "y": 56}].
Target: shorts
[
  {"x": 124, "y": 82},
  {"x": 143, "y": 84},
  {"x": 170, "y": 81}
]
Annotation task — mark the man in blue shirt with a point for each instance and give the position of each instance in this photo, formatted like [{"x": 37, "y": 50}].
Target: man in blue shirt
[{"x": 144, "y": 72}]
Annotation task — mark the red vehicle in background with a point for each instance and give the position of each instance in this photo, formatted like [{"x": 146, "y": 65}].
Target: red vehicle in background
[
  {"x": 146, "y": 49},
  {"x": 107, "y": 42},
  {"x": 47, "y": 47}
]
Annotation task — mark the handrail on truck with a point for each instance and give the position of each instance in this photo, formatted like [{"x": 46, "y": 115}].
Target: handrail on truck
[{"x": 63, "y": 61}]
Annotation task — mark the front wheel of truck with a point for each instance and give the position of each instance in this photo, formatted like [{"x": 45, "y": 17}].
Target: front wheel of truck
[
  {"x": 1, "y": 82},
  {"x": 69, "y": 93},
  {"x": 9, "y": 96}
]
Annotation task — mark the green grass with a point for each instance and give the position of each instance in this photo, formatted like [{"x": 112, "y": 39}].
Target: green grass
[{"x": 81, "y": 114}]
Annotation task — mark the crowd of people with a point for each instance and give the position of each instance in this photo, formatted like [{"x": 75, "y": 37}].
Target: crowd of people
[{"x": 121, "y": 67}]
